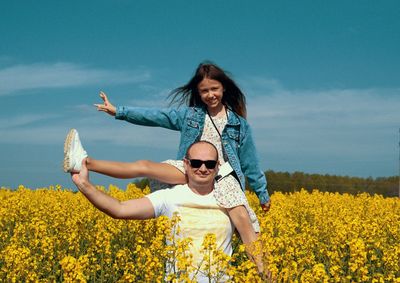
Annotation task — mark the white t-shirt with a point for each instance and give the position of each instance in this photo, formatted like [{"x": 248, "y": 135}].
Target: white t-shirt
[{"x": 199, "y": 216}]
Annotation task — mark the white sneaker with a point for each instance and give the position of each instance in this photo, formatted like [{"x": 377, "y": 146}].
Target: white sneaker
[{"x": 73, "y": 152}]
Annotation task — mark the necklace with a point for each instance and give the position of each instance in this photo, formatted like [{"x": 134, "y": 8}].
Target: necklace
[{"x": 215, "y": 126}]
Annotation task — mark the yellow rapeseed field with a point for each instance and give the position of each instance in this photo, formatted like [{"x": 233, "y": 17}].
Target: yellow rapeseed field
[{"x": 56, "y": 235}]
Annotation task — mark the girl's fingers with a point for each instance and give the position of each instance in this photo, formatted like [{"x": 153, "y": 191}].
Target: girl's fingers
[
  {"x": 106, "y": 106},
  {"x": 101, "y": 107},
  {"x": 103, "y": 96}
]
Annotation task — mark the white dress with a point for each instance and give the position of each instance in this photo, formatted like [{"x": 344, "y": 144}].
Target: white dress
[{"x": 227, "y": 191}]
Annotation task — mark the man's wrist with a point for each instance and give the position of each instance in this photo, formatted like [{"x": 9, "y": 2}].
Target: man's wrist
[{"x": 84, "y": 186}]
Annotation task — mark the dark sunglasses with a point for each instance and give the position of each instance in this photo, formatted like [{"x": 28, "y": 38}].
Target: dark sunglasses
[{"x": 196, "y": 163}]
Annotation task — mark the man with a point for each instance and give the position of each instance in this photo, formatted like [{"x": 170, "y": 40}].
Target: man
[{"x": 194, "y": 202}]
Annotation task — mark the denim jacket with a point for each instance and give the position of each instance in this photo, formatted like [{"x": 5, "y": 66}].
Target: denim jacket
[{"x": 236, "y": 138}]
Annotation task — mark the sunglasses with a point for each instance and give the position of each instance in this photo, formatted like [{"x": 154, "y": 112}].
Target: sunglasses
[{"x": 196, "y": 163}]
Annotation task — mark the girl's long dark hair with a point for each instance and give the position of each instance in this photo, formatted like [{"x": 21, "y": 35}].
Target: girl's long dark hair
[{"x": 188, "y": 94}]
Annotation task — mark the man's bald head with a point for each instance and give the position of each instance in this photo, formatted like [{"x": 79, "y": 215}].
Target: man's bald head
[{"x": 204, "y": 144}]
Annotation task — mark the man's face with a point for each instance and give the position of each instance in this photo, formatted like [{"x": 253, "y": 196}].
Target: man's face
[{"x": 202, "y": 175}]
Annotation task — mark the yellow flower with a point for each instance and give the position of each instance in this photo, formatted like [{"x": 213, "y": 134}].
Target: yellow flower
[{"x": 54, "y": 234}]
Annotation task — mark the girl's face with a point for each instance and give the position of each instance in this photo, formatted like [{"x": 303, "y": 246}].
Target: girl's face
[{"x": 211, "y": 93}]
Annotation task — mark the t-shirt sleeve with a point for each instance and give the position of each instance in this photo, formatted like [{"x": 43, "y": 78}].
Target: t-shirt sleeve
[{"x": 157, "y": 199}]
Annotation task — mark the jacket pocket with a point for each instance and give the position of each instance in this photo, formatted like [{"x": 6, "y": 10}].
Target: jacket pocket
[
  {"x": 193, "y": 124},
  {"x": 191, "y": 131},
  {"x": 233, "y": 134},
  {"x": 233, "y": 138}
]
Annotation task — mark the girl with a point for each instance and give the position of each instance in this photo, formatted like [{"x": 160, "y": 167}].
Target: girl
[{"x": 215, "y": 112}]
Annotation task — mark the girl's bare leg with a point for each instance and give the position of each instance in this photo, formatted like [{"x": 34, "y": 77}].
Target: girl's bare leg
[
  {"x": 241, "y": 220},
  {"x": 163, "y": 172}
]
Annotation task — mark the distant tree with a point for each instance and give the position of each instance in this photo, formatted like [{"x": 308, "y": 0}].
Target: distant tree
[{"x": 290, "y": 182}]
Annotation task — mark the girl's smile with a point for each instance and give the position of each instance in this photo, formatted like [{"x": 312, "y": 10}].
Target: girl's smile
[{"x": 211, "y": 93}]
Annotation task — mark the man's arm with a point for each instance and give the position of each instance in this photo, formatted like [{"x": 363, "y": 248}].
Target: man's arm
[{"x": 131, "y": 209}]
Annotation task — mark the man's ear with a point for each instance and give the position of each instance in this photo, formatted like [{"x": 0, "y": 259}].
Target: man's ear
[{"x": 186, "y": 164}]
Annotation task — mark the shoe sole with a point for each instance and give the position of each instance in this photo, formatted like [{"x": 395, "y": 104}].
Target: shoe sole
[{"x": 67, "y": 145}]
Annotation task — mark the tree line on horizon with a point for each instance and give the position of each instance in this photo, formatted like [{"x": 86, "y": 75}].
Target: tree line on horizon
[{"x": 291, "y": 182}]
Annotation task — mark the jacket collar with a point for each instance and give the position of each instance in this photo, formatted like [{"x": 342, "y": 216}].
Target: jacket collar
[{"x": 233, "y": 118}]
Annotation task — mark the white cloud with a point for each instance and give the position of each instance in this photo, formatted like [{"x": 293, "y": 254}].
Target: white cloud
[
  {"x": 347, "y": 108},
  {"x": 60, "y": 75},
  {"x": 352, "y": 131},
  {"x": 94, "y": 128},
  {"x": 24, "y": 120},
  {"x": 348, "y": 124}
]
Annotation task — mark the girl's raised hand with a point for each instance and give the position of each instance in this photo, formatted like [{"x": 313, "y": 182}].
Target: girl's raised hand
[{"x": 106, "y": 106}]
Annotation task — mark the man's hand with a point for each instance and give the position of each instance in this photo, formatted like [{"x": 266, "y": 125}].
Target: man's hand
[
  {"x": 130, "y": 209},
  {"x": 266, "y": 206},
  {"x": 81, "y": 179},
  {"x": 106, "y": 106}
]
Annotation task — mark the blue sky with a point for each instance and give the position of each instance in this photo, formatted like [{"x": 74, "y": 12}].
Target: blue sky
[{"x": 321, "y": 80}]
